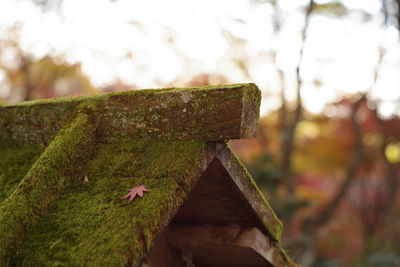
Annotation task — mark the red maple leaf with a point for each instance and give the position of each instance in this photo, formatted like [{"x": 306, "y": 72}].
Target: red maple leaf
[{"x": 135, "y": 191}]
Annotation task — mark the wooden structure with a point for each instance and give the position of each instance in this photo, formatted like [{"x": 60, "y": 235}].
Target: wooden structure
[{"x": 65, "y": 164}]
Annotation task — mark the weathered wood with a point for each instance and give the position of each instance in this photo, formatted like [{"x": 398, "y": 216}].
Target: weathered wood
[
  {"x": 225, "y": 195},
  {"x": 162, "y": 254},
  {"x": 203, "y": 113},
  {"x": 240, "y": 246},
  {"x": 249, "y": 190},
  {"x": 216, "y": 199}
]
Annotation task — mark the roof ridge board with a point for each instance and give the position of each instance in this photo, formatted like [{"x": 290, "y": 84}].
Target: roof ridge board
[
  {"x": 203, "y": 113},
  {"x": 99, "y": 96}
]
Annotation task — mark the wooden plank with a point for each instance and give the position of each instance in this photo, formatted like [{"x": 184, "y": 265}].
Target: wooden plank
[
  {"x": 162, "y": 254},
  {"x": 216, "y": 200},
  {"x": 206, "y": 113},
  {"x": 226, "y": 195},
  {"x": 253, "y": 196},
  {"x": 223, "y": 245}
]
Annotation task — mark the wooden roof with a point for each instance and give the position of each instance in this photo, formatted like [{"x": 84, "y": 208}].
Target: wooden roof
[{"x": 65, "y": 163}]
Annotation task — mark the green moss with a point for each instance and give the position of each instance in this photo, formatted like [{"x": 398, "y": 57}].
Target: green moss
[
  {"x": 273, "y": 223},
  {"x": 60, "y": 164},
  {"x": 91, "y": 225},
  {"x": 173, "y": 113},
  {"x": 14, "y": 164},
  {"x": 270, "y": 219},
  {"x": 51, "y": 217},
  {"x": 285, "y": 260},
  {"x": 79, "y": 99}
]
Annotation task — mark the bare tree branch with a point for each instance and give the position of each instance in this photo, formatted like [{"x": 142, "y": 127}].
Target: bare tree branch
[
  {"x": 398, "y": 13},
  {"x": 329, "y": 210},
  {"x": 283, "y": 109},
  {"x": 290, "y": 129},
  {"x": 358, "y": 151},
  {"x": 391, "y": 177}
]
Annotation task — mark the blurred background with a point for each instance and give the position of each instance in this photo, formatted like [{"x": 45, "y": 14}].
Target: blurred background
[{"x": 328, "y": 151}]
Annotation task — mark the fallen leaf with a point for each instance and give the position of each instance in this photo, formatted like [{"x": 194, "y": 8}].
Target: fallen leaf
[{"x": 135, "y": 191}]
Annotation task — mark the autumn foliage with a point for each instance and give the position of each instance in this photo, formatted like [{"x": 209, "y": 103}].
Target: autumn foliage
[{"x": 364, "y": 221}]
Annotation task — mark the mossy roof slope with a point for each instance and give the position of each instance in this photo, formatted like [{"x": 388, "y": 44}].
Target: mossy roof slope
[{"x": 49, "y": 215}]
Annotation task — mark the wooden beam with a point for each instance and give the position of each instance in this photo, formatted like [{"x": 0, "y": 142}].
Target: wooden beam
[
  {"x": 206, "y": 113},
  {"x": 253, "y": 247},
  {"x": 254, "y": 197},
  {"x": 216, "y": 200}
]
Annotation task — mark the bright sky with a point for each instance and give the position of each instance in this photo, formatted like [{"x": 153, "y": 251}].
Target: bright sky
[{"x": 128, "y": 40}]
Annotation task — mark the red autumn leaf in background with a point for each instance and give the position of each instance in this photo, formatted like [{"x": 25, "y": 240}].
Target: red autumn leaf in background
[{"x": 135, "y": 191}]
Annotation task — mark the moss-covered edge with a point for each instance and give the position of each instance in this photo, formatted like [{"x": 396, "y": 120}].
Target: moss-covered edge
[
  {"x": 78, "y": 99},
  {"x": 62, "y": 160},
  {"x": 185, "y": 113},
  {"x": 256, "y": 197},
  {"x": 269, "y": 218},
  {"x": 91, "y": 226}
]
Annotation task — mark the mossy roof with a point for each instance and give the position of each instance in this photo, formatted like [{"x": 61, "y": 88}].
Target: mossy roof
[{"x": 49, "y": 215}]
